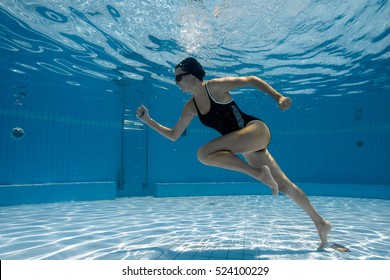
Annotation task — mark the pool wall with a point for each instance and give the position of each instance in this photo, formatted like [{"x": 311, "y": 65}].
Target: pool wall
[
  {"x": 76, "y": 149},
  {"x": 71, "y": 145}
]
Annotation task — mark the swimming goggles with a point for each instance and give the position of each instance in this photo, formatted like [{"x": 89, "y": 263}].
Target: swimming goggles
[{"x": 179, "y": 77}]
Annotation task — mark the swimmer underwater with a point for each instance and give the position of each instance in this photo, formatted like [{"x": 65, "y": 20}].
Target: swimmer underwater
[{"x": 240, "y": 133}]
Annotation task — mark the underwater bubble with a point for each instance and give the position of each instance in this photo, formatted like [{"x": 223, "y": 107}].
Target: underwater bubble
[
  {"x": 360, "y": 143},
  {"x": 17, "y": 132}
]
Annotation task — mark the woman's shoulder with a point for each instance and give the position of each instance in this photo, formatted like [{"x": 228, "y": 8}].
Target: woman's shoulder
[{"x": 218, "y": 91}]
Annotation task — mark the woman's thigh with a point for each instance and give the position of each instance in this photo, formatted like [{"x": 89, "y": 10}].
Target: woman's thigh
[{"x": 255, "y": 136}]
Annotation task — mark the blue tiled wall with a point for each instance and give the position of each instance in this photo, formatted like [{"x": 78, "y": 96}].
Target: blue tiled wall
[
  {"x": 71, "y": 144},
  {"x": 74, "y": 146}
]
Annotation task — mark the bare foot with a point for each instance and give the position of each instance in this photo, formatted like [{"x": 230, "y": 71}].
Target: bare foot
[
  {"x": 266, "y": 178},
  {"x": 323, "y": 231}
]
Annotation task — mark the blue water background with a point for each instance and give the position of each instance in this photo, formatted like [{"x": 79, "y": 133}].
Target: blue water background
[{"x": 72, "y": 74}]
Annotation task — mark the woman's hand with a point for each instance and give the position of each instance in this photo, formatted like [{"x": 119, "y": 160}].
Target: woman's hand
[
  {"x": 284, "y": 103},
  {"x": 142, "y": 113}
]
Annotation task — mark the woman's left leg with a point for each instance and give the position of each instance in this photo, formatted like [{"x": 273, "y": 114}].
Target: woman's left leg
[
  {"x": 221, "y": 152},
  {"x": 287, "y": 187}
]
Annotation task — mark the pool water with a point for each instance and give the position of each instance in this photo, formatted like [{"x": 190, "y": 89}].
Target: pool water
[
  {"x": 200, "y": 228},
  {"x": 105, "y": 186}
]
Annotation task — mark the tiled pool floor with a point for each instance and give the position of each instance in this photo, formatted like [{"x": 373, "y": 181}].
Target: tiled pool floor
[{"x": 184, "y": 228}]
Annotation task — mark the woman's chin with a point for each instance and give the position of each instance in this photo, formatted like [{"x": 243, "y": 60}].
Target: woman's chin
[{"x": 183, "y": 90}]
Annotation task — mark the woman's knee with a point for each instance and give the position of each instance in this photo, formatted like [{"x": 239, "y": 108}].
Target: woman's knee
[
  {"x": 289, "y": 188},
  {"x": 202, "y": 155},
  {"x": 283, "y": 185},
  {"x": 283, "y": 188}
]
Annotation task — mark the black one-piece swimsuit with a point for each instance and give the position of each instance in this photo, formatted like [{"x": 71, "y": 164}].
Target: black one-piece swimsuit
[{"x": 224, "y": 117}]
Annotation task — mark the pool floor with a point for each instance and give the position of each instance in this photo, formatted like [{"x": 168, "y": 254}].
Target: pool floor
[{"x": 200, "y": 228}]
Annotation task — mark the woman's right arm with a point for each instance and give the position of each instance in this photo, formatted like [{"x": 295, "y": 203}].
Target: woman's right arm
[{"x": 173, "y": 134}]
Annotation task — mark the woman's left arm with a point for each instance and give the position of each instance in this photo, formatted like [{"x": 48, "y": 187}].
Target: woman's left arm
[{"x": 229, "y": 83}]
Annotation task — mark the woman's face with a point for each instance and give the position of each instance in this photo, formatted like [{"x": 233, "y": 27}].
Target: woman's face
[{"x": 182, "y": 78}]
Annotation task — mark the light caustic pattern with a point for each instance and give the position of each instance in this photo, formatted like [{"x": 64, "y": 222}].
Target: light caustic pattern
[{"x": 233, "y": 227}]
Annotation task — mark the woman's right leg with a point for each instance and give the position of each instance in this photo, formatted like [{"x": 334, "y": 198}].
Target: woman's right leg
[{"x": 260, "y": 158}]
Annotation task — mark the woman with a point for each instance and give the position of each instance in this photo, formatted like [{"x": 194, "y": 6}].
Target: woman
[{"x": 241, "y": 133}]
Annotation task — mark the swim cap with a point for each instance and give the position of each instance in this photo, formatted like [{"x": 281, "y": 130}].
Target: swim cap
[{"x": 191, "y": 65}]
